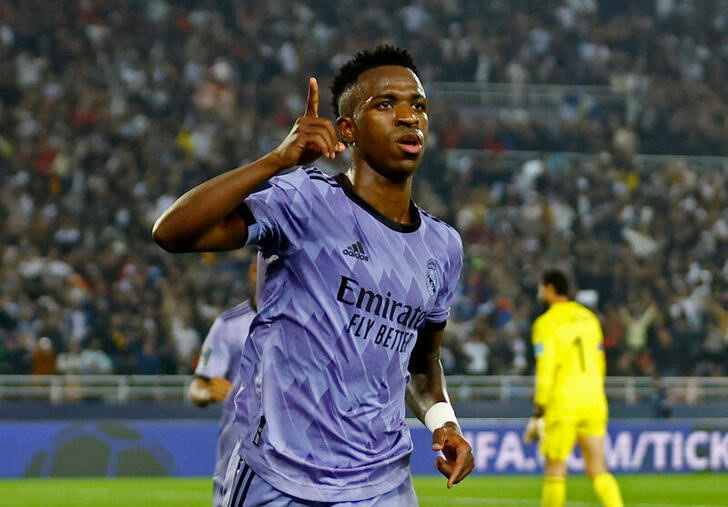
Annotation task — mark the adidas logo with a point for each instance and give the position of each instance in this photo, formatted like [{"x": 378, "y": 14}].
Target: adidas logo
[{"x": 356, "y": 250}]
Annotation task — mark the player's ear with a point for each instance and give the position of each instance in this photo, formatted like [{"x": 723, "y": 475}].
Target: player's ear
[{"x": 345, "y": 125}]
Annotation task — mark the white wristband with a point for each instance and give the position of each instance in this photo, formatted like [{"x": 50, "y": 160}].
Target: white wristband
[{"x": 438, "y": 414}]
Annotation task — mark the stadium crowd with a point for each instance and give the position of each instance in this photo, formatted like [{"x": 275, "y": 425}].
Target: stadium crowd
[{"x": 109, "y": 110}]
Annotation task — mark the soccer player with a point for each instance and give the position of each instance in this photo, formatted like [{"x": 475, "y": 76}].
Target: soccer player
[
  {"x": 353, "y": 309},
  {"x": 218, "y": 372},
  {"x": 569, "y": 401}
]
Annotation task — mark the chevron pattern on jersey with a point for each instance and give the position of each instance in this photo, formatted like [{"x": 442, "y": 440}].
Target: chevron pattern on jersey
[{"x": 332, "y": 342}]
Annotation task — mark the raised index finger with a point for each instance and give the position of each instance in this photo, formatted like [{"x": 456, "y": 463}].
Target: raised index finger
[{"x": 312, "y": 102}]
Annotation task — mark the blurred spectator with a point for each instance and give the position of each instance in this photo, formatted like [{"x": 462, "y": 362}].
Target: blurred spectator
[
  {"x": 476, "y": 350},
  {"x": 637, "y": 324},
  {"x": 664, "y": 352},
  {"x": 148, "y": 361},
  {"x": 44, "y": 358},
  {"x": 94, "y": 361},
  {"x": 661, "y": 405},
  {"x": 69, "y": 362}
]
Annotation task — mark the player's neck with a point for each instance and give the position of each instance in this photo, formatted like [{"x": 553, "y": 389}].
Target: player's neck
[
  {"x": 390, "y": 198},
  {"x": 559, "y": 299}
]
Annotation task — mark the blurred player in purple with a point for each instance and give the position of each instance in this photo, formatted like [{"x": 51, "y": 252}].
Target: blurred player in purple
[
  {"x": 353, "y": 309},
  {"x": 217, "y": 375}
]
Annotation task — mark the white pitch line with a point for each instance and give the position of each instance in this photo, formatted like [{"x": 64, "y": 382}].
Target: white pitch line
[{"x": 481, "y": 500}]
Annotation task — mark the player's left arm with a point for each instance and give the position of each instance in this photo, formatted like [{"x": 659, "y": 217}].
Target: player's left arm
[
  {"x": 209, "y": 384},
  {"x": 427, "y": 397},
  {"x": 601, "y": 356}
]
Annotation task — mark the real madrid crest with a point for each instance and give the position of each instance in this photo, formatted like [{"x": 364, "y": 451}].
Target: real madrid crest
[{"x": 433, "y": 278}]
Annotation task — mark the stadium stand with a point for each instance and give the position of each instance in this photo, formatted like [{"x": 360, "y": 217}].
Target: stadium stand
[{"x": 588, "y": 134}]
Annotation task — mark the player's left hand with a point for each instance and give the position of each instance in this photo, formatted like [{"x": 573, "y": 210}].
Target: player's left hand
[
  {"x": 458, "y": 461},
  {"x": 534, "y": 430}
]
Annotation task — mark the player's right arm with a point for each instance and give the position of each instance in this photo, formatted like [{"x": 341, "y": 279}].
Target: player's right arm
[
  {"x": 204, "y": 391},
  {"x": 210, "y": 217},
  {"x": 544, "y": 346}
]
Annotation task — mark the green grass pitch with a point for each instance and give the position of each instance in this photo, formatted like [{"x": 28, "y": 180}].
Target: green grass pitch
[{"x": 696, "y": 490}]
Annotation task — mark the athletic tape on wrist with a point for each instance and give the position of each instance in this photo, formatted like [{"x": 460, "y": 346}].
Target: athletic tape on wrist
[{"x": 438, "y": 414}]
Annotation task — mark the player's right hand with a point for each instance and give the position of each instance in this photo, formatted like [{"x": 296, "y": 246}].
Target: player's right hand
[
  {"x": 311, "y": 137},
  {"x": 534, "y": 430},
  {"x": 219, "y": 388}
]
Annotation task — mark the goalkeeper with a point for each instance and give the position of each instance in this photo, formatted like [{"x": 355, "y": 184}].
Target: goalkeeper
[{"x": 569, "y": 401}]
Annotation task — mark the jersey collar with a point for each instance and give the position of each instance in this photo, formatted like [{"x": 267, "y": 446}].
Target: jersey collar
[{"x": 395, "y": 226}]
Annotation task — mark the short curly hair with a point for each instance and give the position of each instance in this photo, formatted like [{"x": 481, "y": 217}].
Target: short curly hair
[
  {"x": 385, "y": 54},
  {"x": 558, "y": 280}
]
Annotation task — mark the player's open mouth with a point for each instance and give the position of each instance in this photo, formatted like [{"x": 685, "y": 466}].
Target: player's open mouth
[{"x": 410, "y": 143}]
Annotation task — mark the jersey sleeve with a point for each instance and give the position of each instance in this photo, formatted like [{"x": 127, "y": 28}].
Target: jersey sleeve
[
  {"x": 600, "y": 355},
  {"x": 279, "y": 214},
  {"x": 544, "y": 347},
  {"x": 215, "y": 354},
  {"x": 450, "y": 278}
]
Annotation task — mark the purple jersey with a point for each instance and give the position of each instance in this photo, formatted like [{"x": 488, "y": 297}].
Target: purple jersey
[
  {"x": 220, "y": 357},
  {"x": 322, "y": 403}
]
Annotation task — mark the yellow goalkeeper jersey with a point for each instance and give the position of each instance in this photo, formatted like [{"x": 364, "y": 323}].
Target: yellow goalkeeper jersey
[{"x": 570, "y": 363}]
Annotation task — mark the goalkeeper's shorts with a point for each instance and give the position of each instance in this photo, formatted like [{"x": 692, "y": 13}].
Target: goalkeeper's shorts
[{"x": 561, "y": 433}]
